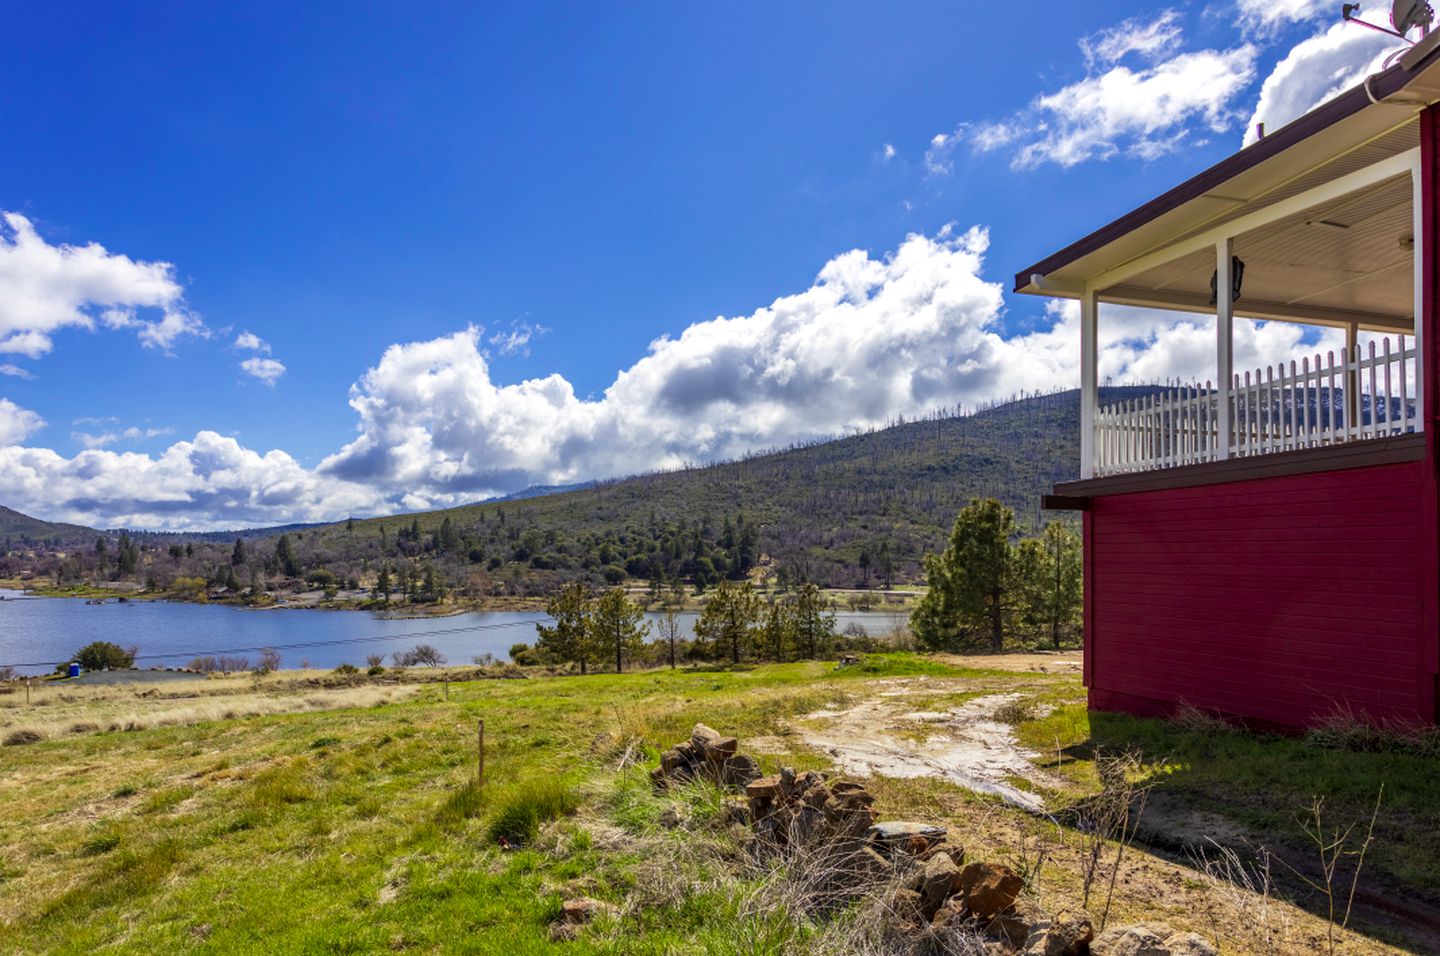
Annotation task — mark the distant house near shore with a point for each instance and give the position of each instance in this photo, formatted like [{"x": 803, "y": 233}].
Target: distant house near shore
[{"x": 1263, "y": 541}]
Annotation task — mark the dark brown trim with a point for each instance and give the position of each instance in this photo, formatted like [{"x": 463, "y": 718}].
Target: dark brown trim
[
  {"x": 1343, "y": 106},
  {"x": 1356, "y": 454},
  {"x": 1062, "y": 503}
]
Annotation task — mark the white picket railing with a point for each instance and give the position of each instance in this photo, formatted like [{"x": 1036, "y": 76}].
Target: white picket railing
[{"x": 1368, "y": 393}]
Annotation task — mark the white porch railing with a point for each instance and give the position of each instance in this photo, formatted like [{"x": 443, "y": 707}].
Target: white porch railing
[{"x": 1368, "y": 393}]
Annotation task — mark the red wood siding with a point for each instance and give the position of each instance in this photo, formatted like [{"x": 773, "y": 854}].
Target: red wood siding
[{"x": 1276, "y": 599}]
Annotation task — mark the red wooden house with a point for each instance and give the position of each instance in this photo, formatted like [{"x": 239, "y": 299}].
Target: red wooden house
[{"x": 1266, "y": 543}]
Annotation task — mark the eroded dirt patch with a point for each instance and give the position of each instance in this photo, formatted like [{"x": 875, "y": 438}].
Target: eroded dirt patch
[{"x": 894, "y": 734}]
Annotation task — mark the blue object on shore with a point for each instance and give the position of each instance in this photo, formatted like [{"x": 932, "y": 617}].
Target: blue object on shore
[{"x": 74, "y": 669}]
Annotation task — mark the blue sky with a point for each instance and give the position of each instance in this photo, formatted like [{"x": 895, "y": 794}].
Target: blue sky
[{"x": 452, "y": 233}]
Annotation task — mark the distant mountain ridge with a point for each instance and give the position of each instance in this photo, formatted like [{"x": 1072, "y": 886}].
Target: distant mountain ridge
[{"x": 15, "y": 524}]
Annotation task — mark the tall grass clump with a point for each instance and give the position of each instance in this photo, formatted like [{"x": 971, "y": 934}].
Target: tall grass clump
[{"x": 519, "y": 809}]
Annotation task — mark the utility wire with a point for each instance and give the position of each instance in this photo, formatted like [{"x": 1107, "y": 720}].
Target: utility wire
[{"x": 305, "y": 645}]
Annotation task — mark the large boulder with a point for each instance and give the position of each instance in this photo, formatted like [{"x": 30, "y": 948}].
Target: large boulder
[{"x": 989, "y": 889}]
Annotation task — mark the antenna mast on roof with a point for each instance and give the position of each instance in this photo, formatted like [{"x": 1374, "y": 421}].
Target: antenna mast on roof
[{"x": 1405, "y": 15}]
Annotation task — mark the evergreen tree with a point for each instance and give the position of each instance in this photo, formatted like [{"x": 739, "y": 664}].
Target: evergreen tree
[
  {"x": 237, "y": 556},
  {"x": 728, "y": 618},
  {"x": 1064, "y": 596},
  {"x": 567, "y": 640},
  {"x": 285, "y": 557},
  {"x": 382, "y": 582},
  {"x": 813, "y": 622},
  {"x": 972, "y": 582},
  {"x": 617, "y": 624}
]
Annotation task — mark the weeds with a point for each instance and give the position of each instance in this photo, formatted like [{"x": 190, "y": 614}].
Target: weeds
[
  {"x": 1245, "y": 891},
  {"x": 1344, "y": 728},
  {"x": 1111, "y": 816},
  {"x": 1333, "y": 846},
  {"x": 522, "y": 807}
]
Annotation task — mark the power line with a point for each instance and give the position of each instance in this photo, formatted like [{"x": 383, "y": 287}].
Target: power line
[{"x": 305, "y": 645}]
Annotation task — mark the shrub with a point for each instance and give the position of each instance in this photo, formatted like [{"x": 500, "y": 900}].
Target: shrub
[
  {"x": 103, "y": 655},
  {"x": 347, "y": 669},
  {"x": 374, "y": 660},
  {"x": 19, "y": 738},
  {"x": 420, "y": 654},
  {"x": 524, "y": 806},
  {"x": 375, "y": 670}
]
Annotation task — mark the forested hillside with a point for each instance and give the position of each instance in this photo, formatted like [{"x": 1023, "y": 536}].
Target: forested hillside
[
  {"x": 855, "y": 511},
  {"x": 24, "y": 528}
]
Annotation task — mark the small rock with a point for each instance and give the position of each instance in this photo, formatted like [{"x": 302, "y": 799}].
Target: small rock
[
  {"x": 764, "y": 787},
  {"x": 702, "y": 737},
  {"x": 899, "y": 831},
  {"x": 670, "y": 818},
  {"x": 1190, "y": 944},
  {"x": 1142, "y": 939},
  {"x": 989, "y": 889},
  {"x": 735, "y": 811},
  {"x": 739, "y": 770},
  {"x": 947, "y": 915},
  {"x": 1068, "y": 934},
  {"x": 583, "y": 909},
  {"x": 907, "y": 906},
  {"x": 1012, "y": 929},
  {"x": 938, "y": 879},
  {"x": 563, "y": 932},
  {"x": 719, "y": 751}
]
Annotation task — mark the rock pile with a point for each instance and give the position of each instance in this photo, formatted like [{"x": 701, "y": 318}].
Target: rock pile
[
  {"x": 707, "y": 755},
  {"x": 828, "y": 834}
]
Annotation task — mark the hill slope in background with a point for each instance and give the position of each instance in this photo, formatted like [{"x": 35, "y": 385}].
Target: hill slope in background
[
  {"x": 850, "y": 512},
  {"x": 891, "y": 494},
  {"x": 15, "y": 524}
]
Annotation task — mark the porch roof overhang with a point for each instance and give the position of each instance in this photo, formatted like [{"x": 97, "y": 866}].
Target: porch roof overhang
[{"x": 1327, "y": 264}]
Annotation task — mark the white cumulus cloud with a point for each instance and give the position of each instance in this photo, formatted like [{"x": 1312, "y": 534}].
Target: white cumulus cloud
[
  {"x": 1318, "y": 69},
  {"x": 16, "y": 423},
  {"x": 45, "y": 288},
  {"x": 267, "y": 370},
  {"x": 250, "y": 342},
  {"x": 870, "y": 338},
  {"x": 1141, "y": 97}
]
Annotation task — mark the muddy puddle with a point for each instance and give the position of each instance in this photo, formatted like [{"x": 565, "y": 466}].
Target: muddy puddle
[{"x": 894, "y": 735}]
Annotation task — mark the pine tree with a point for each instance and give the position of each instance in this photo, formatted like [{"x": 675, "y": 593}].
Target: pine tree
[
  {"x": 617, "y": 624},
  {"x": 972, "y": 583},
  {"x": 728, "y": 619},
  {"x": 567, "y": 640}
]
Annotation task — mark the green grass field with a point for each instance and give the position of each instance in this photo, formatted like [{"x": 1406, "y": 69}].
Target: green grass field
[{"x": 359, "y": 828}]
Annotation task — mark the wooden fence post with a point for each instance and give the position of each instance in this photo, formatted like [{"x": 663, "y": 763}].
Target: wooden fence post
[{"x": 480, "y": 754}]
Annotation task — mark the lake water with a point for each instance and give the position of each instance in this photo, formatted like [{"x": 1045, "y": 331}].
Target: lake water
[{"x": 35, "y": 631}]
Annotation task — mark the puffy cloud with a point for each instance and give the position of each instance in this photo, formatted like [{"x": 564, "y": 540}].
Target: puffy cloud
[
  {"x": 1318, "y": 69},
  {"x": 1140, "y": 98},
  {"x": 16, "y": 423},
  {"x": 267, "y": 370},
  {"x": 250, "y": 342},
  {"x": 517, "y": 340},
  {"x": 870, "y": 338},
  {"x": 887, "y": 152},
  {"x": 90, "y": 440},
  {"x": 1268, "y": 15},
  {"x": 208, "y": 482},
  {"x": 1144, "y": 346},
  {"x": 45, "y": 288},
  {"x": 1152, "y": 40}
]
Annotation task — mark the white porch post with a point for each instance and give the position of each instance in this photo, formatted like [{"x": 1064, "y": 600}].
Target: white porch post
[
  {"x": 1224, "y": 344},
  {"x": 1417, "y": 267},
  {"x": 1089, "y": 381},
  {"x": 1352, "y": 379}
]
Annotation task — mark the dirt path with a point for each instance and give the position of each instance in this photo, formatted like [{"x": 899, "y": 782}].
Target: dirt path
[{"x": 965, "y": 745}]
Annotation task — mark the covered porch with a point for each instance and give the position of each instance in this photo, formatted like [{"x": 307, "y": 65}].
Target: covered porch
[{"x": 1338, "y": 248}]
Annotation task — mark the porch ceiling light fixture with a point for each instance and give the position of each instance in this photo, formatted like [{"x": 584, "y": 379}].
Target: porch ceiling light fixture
[{"x": 1237, "y": 276}]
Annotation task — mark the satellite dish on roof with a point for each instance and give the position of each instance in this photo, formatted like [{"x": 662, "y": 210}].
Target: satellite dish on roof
[{"x": 1405, "y": 15}]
